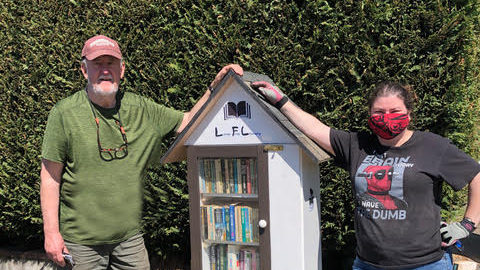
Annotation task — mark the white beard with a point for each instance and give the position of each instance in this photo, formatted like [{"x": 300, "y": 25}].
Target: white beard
[{"x": 97, "y": 90}]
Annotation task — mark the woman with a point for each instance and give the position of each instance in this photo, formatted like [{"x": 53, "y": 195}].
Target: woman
[{"x": 396, "y": 174}]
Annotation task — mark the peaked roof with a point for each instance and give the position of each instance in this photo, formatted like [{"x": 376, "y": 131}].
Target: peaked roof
[{"x": 177, "y": 150}]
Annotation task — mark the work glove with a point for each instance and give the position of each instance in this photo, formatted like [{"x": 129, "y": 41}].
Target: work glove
[
  {"x": 274, "y": 95},
  {"x": 454, "y": 231}
]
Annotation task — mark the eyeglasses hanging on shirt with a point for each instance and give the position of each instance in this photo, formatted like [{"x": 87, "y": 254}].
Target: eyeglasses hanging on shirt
[{"x": 109, "y": 154}]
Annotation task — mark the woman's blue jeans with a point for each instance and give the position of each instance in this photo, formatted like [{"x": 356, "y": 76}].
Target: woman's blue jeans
[{"x": 445, "y": 263}]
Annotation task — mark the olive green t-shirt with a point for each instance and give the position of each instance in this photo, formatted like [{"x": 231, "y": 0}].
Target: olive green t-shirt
[{"x": 101, "y": 201}]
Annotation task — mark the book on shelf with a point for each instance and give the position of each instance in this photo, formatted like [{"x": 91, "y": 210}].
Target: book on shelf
[
  {"x": 255, "y": 232},
  {"x": 241, "y": 259},
  {"x": 211, "y": 223},
  {"x": 239, "y": 175},
  {"x": 225, "y": 225},
  {"x": 233, "y": 257},
  {"x": 208, "y": 175},
  {"x": 248, "y": 175},
  {"x": 223, "y": 261},
  {"x": 204, "y": 218},
  {"x": 226, "y": 211},
  {"x": 236, "y": 223},
  {"x": 214, "y": 178},
  {"x": 218, "y": 175},
  {"x": 243, "y": 214},
  {"x": 247, "y": 259},
  {"x": 255, "y": 260},
  {"x": 243, "y": 174},
  {"x": 232, "y": 175},
  {"x": 232, "y": 222},
  {"x": 219, "y": 223},
  {"x": 212, "y": 257},
  {"x": 224, "y": 174},
  {"x": 232, "y": 254},
  {"x": 253, "y": 175},
  {"x": 235, "y": 175},
  {"x": 248, "y": 225},
  {"x": 218, "y": 257}
]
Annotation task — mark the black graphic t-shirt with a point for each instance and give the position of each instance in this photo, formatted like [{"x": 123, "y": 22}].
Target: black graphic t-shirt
[{"x": 398, "y": 192}]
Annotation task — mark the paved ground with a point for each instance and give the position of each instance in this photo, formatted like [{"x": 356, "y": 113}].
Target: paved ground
[{"x": 20, "y": 264}]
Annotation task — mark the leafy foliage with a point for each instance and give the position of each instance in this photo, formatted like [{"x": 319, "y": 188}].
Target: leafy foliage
[{"x": 325, "y": 54}]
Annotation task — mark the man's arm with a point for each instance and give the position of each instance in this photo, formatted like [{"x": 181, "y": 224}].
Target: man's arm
[
  {"x": 50, "y": 176},
  {"x": 187, "y": 117}
]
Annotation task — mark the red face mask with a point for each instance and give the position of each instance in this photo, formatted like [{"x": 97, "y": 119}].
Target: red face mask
[{"x": 388, "y": 125}]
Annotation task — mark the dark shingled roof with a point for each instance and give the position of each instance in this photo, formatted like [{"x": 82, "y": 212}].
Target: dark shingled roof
[{"x": 177, "y": 150}]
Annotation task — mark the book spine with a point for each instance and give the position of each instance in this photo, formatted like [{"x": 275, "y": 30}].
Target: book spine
[
  {"x": 211, "y": 223},
  {"x": 225, "y": 188},
  {"x": 247, "y": 259},
  {"x": 212, "y": 174},
  {"x": 217, "y": 257},
  {"x": 223, "y": 255},
  {"x": 254, "y": 259},
  {"x": 227, "y": 223},
  {"x": 218, "y": 223},
  {"x": 218, "y": 176},
  {"x": 255, "y": 221},
  {"x": 239, "y": 175},
  {"x": 238, "y": 224},
  {"x": 206, "y": 171},
  {"x": 243, "y": 174},
  {"x": 204, "y": 222},
  {"x": 227, "y": 176},
  {"x": 235, "y": 175},
  {"x": 233, "y": 263},
  {"x": 248, "y": 225},
  {"x": 243, "y": 220},
  {"x": 242, "y": 260},
  {"x": 224, "y": 229},
  {"x": 254, "y": 175},
  {"x": 232, "y": 223},
  {"x": 211, "y": 257},
  {"x": 230, "y": 176},
  {"x": 249, "y": 177}
]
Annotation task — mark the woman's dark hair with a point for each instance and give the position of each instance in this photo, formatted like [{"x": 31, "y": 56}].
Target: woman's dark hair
[{"x": 388, "y": 88}]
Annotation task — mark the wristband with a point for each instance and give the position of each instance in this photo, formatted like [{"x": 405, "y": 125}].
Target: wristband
[
  {"x": 468, "y": 224},
  {"x": 281, "y": 102}
]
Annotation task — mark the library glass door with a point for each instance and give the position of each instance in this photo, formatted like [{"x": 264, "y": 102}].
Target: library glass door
[{"x": 228, "y": 207}]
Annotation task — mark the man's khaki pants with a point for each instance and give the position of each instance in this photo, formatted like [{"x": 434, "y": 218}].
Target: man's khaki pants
[{"x": 130, "y": 254}]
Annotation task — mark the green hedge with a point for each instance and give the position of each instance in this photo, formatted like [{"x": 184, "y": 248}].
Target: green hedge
[{"x": 325, "y": 54}]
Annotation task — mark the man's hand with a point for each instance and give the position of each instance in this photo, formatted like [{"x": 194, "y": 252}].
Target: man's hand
[
  {"x": 54, "y": 247},
  {"x": 236, "y": 68},
  {"x": 274, "y": 95},
  {"x": 188, "y": 116},
  {"x": 454, "y": 231}
]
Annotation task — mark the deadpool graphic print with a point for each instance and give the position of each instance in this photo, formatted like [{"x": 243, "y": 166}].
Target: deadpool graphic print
[{"x": 379, "y": 188}]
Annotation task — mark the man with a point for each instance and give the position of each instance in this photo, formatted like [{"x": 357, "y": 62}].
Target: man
[{"x": 97, "y": 146}]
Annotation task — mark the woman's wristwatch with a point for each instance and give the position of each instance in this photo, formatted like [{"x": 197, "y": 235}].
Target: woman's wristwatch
[{"x": 468, "y": 224}]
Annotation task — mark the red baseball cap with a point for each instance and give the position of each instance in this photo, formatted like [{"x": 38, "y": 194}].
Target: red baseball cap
[{"x": 101, "y": 45}]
